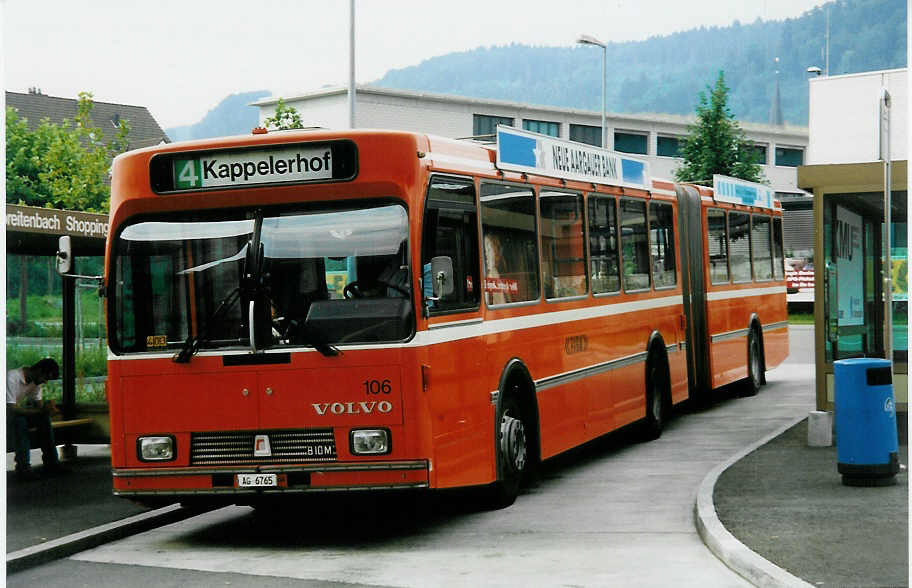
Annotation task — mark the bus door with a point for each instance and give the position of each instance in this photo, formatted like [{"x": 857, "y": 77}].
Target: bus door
[
  {"x": 690, "y": 218},
  {"x": 453, "y": 368}
]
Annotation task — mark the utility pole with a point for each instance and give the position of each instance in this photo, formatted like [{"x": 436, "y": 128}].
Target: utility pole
[{"x": 351, "y": 64}]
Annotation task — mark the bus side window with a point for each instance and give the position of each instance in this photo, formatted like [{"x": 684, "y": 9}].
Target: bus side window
[
  {"x": 634, "y": 245},
  {"x": 451, "y": 230},
  {"x": 778, "y": 259},
  {"x": 739, "y": 242},
  {"x": 603, "y": 245},
  {"x": 510, "y": 244},
  {"x": 718, "y": 246},
  {"x": 661, "y": 242},
  {"x": 563, "y": 256},
  {"x": 761, "y": 252}
]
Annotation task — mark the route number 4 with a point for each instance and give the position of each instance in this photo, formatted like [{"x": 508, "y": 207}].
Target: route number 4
[{"x": 188, "y": 173}]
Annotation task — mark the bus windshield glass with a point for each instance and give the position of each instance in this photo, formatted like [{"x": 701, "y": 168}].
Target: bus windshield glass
[{"x": 263, "y": 279}]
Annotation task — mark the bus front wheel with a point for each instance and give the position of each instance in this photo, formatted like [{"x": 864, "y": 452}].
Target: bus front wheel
[{"x": 512, "y": 448}]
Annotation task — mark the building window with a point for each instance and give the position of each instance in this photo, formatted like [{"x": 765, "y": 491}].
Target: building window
[
  {"x": 759, "y": 152},
  {"x": 630, "y": 143},
  {"x": 542, "y": 126},
  {"x": 789, "y": 156},
  {"x": 586, "y": 134},
  {"x": 668, "y": 146},
  {"x": 483, "y": 124}
]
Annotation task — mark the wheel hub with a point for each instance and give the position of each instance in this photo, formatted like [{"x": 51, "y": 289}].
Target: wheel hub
[{"x": 513, "y": 442}]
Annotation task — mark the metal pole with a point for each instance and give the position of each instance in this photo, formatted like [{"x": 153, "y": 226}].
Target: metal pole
[
  {"x": 68, "y": 369},
  {"x": 604, "y": 106},
  {"x": 888, "y": 221},
  {"x": 351, "y": 65}
]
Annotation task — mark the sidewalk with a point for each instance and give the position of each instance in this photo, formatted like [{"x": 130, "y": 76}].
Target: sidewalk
[
  {"x": 54, "y": 506},
  {"x": 786, "y": 502}
]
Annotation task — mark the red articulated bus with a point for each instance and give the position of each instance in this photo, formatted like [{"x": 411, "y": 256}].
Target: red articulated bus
[{"x": 311, "y": 311}]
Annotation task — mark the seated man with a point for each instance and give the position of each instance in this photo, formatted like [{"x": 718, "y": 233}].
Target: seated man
[{"x": 25, "y": 408}]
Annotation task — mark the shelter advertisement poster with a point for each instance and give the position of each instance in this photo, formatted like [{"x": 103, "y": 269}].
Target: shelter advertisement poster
[{"x": 849, "y": 267}]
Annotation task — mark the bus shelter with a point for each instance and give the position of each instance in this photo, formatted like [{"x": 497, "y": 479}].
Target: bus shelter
[
  {"x": 851, "y": 260},
  {"x": 36, "y": 232}
]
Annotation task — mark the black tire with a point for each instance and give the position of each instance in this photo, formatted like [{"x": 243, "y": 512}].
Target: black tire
[
  {"x": 754, "y": 379},
  {"x": 656, "y": 405},
  {"x": 511, "y": 444}
]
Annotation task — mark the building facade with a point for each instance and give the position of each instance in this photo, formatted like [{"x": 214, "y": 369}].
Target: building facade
[{"x": 656, "y": 137}]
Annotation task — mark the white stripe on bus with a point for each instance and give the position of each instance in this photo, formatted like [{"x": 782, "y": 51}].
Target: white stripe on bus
[
  {"x": 459, "y": 330},
  {"x": 729, "y": 294}
]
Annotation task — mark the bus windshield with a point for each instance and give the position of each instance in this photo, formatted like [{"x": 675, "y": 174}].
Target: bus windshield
[{"x": 263, "y": 279}]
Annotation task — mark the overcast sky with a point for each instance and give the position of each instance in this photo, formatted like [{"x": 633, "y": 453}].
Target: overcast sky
[{"x": 179, "y": 58}]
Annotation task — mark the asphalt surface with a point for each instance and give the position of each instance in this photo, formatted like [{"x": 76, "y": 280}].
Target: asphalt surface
[
  {"x": 51, "y": 507},
  {"x": 782, "y": 501},
  {"x": 787, "y": 503}
]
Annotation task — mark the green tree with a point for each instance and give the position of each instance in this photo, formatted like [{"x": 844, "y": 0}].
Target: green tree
[
  {"x": 717, "y": 144},
  {"x": 61, "y": 165},
  {"x": 285, "y": 117}
]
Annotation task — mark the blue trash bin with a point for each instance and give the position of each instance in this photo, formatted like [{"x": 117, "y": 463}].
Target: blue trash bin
[{"x": 867, "y": 446}]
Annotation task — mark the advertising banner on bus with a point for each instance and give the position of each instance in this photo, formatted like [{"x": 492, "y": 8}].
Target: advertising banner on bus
[
  {"x": 534, "y": 153},
  {"x": 738, "y": 191}
]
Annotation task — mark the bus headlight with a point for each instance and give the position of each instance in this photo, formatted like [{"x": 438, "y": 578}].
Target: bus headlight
[
  {"x": 159, "y": 448},
  {"x": 370, "y": 442}
]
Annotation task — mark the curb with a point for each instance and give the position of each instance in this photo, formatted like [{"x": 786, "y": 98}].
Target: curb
[
  {"x": 82, "y": 540},
  {"x": 734, "y": 554}
]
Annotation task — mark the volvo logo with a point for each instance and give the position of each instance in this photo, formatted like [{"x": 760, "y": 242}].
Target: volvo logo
[
  {"x": 384, "y": 407},
  {"x": 261, "y": 446}
]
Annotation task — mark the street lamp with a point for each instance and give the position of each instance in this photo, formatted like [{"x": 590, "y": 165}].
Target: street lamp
[{"x": 589, "y": 40}]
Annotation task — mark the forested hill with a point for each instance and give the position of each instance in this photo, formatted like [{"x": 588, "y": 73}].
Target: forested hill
[
  {"x": 665, "y": 74},
  {"x": 232, "y": 116}
]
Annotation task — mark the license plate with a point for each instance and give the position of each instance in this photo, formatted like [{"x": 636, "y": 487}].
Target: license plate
[{"x": 257, "y": 480}]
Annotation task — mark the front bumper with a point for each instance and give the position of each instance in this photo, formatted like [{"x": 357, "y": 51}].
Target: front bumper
[{"x": 293, "y": 479}]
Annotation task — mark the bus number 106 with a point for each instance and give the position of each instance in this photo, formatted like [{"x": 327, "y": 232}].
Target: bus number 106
[{"x": 377, "y": 387}]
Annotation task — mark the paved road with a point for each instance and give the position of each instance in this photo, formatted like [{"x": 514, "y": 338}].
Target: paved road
[{"x": 613, "y": 513}]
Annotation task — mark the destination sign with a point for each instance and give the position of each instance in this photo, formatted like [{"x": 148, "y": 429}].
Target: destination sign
[
  {"x": 534, "y": 153},
  {"x": 249, "y": 167},
  {"x": 736, "y": 191}
]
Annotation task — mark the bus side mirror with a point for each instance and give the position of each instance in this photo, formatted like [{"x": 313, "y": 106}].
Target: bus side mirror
[
  {"x": 64, "y": 255},
  {"x": 442, "y": 276}
]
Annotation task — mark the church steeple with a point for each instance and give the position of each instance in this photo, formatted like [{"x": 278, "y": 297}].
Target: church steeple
[{"x": 775, "y": 117}]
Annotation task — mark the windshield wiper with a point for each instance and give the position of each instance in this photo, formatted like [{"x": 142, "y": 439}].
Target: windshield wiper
[{"x": 192, "y": 344}]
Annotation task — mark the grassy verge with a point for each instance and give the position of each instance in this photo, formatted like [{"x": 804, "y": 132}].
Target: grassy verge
[{"x": 801, "y": 318}]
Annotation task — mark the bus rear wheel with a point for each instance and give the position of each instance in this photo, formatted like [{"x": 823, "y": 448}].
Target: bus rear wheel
[
  {"x": 655, "y": 402},
  {"x": 512, "y": 448},
  {"x": 754, "y": 365}
]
